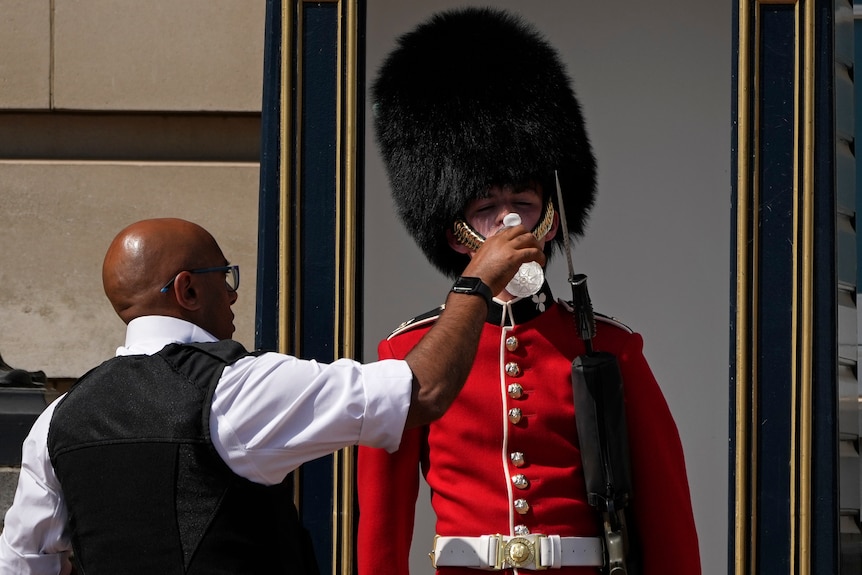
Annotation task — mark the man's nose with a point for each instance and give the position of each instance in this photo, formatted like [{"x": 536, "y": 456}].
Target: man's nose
[{"x": 233, "y": 295}]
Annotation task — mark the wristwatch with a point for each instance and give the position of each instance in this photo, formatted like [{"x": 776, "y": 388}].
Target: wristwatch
[{"x": 473, "y": 286}]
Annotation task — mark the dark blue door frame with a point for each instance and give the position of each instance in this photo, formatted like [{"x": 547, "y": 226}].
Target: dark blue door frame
[
  {"x": 310, "y": 223},
  {"x": 783, "y": 504}
]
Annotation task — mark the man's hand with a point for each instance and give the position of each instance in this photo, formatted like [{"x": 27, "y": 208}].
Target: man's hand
[
  {"x": 443, "y": 358},
  {"x": 500, "y": 256}
]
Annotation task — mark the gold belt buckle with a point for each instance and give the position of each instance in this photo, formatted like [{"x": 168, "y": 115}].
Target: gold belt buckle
[{"x": 519, "y": 551}]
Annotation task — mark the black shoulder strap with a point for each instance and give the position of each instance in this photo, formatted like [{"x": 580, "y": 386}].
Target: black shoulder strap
[{"x": 189, "y": 359}]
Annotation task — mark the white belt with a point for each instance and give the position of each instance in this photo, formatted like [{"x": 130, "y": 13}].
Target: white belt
[{"x": 496, "y": 552}]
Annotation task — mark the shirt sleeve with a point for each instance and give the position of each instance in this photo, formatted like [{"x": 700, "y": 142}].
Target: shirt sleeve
[
  {"x": 273, "y": 412},
  {"x": 34, "y": 539}
]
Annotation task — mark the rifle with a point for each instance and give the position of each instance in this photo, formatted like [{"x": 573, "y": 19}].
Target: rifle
[{"x": 601, "y": 422}]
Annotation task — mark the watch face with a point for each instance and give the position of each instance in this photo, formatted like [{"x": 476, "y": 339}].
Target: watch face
[
  {"x": 467, "y": 284},
  {"x": 472, "y": 286}
]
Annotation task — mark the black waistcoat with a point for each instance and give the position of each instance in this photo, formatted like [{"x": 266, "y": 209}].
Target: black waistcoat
[{"x": 147, "y": 492}]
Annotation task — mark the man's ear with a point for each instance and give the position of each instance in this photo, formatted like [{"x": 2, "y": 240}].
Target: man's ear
[
  {"x": 186, "y": 291},
  {"x": 552, "y": 233},
  {"x": 455, "y": 244}
]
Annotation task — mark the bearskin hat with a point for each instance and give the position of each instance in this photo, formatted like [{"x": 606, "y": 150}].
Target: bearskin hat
[{"x": 471, "y": 98}]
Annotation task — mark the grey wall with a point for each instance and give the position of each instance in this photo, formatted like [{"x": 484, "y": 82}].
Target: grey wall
[
  {"x": 654, "y": 82},
  {"x": 110, "y": 112},
  {"x": 113, "y": 111}
]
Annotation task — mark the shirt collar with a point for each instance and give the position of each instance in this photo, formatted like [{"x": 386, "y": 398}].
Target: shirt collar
[
  {"x": 520, "y": 310},
  {"x": 149, "y": 334}
]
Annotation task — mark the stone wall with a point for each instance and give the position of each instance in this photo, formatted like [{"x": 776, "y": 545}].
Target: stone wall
[{"x": 113, "y": 111}]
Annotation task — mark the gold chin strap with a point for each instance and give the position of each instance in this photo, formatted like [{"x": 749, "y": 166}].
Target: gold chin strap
[{"x": 471, "y": 239}]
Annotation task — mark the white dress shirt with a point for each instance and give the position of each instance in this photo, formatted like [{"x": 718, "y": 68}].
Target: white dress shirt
[{"x": 270, "y": 414}]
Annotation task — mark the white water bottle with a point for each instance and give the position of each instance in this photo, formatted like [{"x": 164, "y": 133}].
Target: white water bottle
[{"x": 530, "y": 276}]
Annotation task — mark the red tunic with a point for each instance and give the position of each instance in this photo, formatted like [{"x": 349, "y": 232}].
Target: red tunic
[{"x": 466, "y": 455}]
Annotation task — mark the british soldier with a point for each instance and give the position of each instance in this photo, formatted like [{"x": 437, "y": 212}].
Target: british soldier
[{"x": 474, "y": 116}]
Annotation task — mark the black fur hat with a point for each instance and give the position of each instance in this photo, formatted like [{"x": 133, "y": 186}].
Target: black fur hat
[{"x": 471, "y": 98}]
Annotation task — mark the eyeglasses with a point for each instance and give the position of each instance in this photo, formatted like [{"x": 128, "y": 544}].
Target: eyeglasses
[{"x": 231, "y": 278}]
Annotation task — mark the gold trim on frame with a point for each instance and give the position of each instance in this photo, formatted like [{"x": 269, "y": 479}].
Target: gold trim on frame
[
  {"x": 745, "y": 375},
  {"x": 801, "y": 459},
  {"x": 747, "y": 268},
  {"x": 285, "y": 223},
  {"x": 349, "y": 153},
  {"x": 346, "y": 214}
]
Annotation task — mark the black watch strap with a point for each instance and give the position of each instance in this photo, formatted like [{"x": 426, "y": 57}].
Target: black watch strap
[{"x": 473, "y": 286}]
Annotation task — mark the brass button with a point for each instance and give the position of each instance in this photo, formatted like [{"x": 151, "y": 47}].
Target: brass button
[
  {"x": 511, "y": 343},
  {"x": 515, "y": 390},
  {"x": 514, "y": 415},
  {"x": 512, "y": 369},
  {"x": 517, "y": 458},
  {"x": 522, "y": 530},
  {"x": 520, "y": 481},
  {"x": 521, "y": 506}
]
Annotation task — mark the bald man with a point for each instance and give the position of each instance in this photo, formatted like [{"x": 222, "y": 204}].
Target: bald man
[{"x": 170, "y": 458}]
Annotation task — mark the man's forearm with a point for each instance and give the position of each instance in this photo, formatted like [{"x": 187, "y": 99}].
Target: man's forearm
[{"x": 443, "y": 358}]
